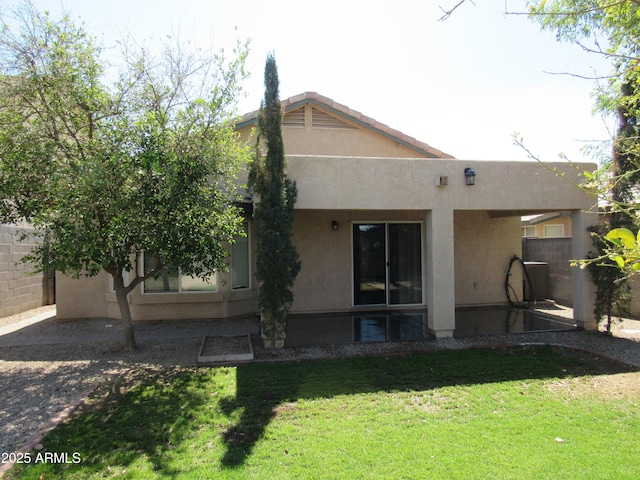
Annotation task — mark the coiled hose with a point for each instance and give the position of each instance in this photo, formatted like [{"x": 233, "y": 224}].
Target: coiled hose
[{"x": 512, "y": 296}]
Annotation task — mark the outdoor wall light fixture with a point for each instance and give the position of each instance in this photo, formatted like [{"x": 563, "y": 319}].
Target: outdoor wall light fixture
[
  {"x": 334, "y": 225},
  {"x": 470, "y": 176}
]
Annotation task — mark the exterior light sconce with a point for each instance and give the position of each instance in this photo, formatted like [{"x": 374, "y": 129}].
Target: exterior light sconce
[
  {"x": 469, "y": 176},
  {"x": 334, "y": 226}
]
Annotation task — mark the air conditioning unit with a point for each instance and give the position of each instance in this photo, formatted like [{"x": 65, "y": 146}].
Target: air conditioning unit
[{"x": 538, "y": 288}]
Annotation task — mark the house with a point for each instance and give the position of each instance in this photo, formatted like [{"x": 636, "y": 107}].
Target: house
[
  {"x": 547, "y": 225},
  {"x": 382, "y": 221}
]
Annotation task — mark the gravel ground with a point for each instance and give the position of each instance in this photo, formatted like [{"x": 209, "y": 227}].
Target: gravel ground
[{"x": 47, "y": 367}]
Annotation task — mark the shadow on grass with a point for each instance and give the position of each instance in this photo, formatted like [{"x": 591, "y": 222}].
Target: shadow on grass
[
  {"x": 150, "y": 421},
  {"x": 263, "y": 388},
  {"x": 147, "y": 413}
]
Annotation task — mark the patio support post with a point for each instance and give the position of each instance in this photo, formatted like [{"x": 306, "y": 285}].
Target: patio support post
[
  {"x": 440, "y": 273},
  {"x": 583, "y": 288}
]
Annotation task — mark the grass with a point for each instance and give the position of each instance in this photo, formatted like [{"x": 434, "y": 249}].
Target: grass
[{"x": 534, "y": 412}]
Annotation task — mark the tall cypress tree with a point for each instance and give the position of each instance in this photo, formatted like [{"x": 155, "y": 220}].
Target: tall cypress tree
[{"x": 277, "y": 260}]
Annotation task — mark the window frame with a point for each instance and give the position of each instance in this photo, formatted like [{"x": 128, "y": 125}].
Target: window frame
[
  {"x": 388, "y": 295},
  {"x": 180, "y": 291},
  {"x": 554, "y": 225},
  {"x": 247, "y": 229}
]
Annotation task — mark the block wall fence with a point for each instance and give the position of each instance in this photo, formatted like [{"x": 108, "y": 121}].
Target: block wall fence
[{"x": 20, "y": 289}]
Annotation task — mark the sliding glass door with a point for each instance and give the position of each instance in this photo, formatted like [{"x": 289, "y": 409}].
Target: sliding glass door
[
  {"x": 369, "y": 264},
  {"x": 405, "y": 263},
  {"x": 387, "y": 263}
]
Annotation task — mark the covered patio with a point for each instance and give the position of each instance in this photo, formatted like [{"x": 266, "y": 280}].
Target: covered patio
[{"x": 458, "y": 238}]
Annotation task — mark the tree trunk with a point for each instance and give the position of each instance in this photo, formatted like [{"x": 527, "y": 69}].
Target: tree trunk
[
  {"x": 125, "y": 312},
  {"x": 272, "y": 330}
]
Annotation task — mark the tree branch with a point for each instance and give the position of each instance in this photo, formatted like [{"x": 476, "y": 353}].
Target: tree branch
[
  {"x": 583, "y": 77},
  {"x": 585, "y": 11},
  {"x": 520, "y": 143},
  {"x": 138, "y": 279},
  {"x": 447, "y": 13}
]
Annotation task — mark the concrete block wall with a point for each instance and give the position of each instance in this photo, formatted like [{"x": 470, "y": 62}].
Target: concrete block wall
[
  {"x": 20, "y": 290},
  {"x": 557, "y": 253}
]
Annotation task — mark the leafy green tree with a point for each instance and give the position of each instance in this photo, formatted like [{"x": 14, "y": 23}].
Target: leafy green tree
[
  {"x": 613, "y": 291},
  {"x": 625, "y": 164},
  {"x": 111, "y": 170},
  {"x": 612, "y": 29},
  {"x": 277, "y": 260}
]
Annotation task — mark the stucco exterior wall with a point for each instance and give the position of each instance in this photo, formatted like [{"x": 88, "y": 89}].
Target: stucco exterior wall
[
  {"x": 482, "y": 223},
  {"x": 325, "y": 283},
  {"x": 83, "y": 297},
  {"x": 348, "y": 137},
  {"x": 557, "y": 253},
  {"x": 409, "y": 183},
  {"x": 94, "y": 298},
  {"x": 346, "y": 143},
  {"x": 483, "y": 248}
]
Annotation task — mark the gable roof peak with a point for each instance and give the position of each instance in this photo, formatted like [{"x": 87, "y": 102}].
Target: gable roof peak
[{"x": 339, "y": 109}]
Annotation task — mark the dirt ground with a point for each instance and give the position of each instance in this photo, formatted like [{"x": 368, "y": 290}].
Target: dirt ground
[{"x": 613, "y": 386}]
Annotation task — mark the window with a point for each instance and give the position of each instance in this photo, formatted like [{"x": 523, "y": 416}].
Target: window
[
  {"x": 554, "y": 230},
  {"x": 529, "y": 231},
  {"x": 170, "y": 280},
  {"x": 240, "y": 261}
]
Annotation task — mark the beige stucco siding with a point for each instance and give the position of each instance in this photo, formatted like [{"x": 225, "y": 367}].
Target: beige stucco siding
[
  {"x": 484, "y": 221},
  {"x": 483, "y": 248},
  {"x": 83, "y": 297},
  {"x": 355, "y": 142},
  {"x": 396, "y": 184},
  {"x": 348, "y": 139},
  {"x": 325, "y": 282},
  {"x": 94, "y": 298}
]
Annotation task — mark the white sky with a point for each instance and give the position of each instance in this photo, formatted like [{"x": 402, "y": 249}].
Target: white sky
[{"x": 463, "y": 85}]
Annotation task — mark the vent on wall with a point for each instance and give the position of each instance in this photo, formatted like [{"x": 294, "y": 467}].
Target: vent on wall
[
  {"x": 320, "y": 119},
  {"x": 294, "y": 118}
]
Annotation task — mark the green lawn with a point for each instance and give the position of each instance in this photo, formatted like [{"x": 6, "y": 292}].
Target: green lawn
[{"x": 534, "y": 412}]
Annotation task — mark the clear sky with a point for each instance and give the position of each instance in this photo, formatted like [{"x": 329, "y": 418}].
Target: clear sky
[{"x": 463, "y": 85}]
